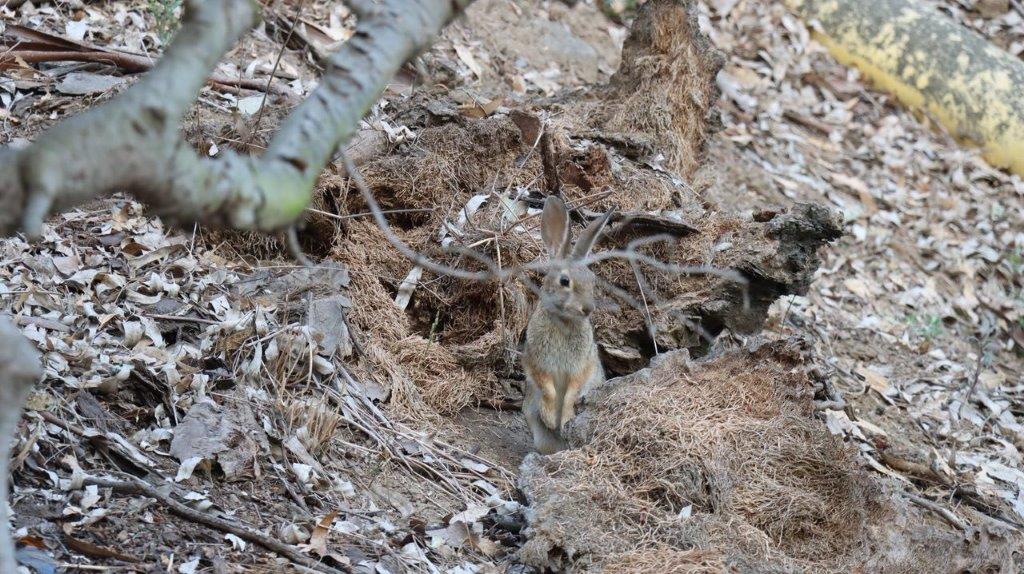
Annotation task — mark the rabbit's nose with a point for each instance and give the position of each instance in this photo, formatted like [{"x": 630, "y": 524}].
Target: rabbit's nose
[{"x": 588, "y": 308}]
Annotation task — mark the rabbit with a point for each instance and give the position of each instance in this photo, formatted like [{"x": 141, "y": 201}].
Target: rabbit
[{"x": 560, "y": 357}]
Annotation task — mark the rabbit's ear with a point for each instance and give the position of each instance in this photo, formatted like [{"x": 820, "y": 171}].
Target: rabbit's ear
[
  {"x": 554, "y": 227},
  {"x": 589, "y": 236}
]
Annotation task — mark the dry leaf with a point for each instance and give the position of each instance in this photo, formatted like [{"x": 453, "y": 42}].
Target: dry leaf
[
  {"x": 469, "y": 60},
  {"x": 479, "y": 110},
  {"x": 858, "y": 288},
  {"x": 95, "y": 551},
  {"x": 861, "y": 188},
  {"x": 318, "y": 539},
  {"x": 875, "y": 380},
  {"x": 86, "y": 83}
]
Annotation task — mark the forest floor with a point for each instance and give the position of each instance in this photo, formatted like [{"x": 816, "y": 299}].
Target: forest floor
[{"x": 859, "y": 404}]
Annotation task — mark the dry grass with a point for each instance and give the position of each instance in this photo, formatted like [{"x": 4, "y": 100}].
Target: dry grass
[
  {"x": 665, "y": 88},
  {"x": 314, "y": 422},
  {"x": 446, "y": 165},
  {"x": 445, "y": 386},
  {"x": 666, "y": 561},
  {"x": 722, "y": 461}
]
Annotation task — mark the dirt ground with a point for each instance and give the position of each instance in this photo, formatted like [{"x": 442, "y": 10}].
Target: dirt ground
[{"x": 853, "y": 405}]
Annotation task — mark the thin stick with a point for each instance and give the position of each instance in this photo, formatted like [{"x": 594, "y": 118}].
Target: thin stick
[
  {"x": 136, "y": 486},
  {"x": 941, "y": 511},
  {"x": 183, "y": 319},
  {"x": 494, "y": 272},
  {"x": 974, "y": 382},
  {"x": 129, "y": 63},
  {"x": 294, "y": 248},
  {"x": 273, "y": 71},
  {"x": 640, "y": 282},
  {"x": 552, "y": 182},
  {"x": 415, "y": 256}
]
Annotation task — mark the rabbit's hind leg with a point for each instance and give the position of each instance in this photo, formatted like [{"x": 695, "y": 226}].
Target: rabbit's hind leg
[{"x": 545, "y": 440}]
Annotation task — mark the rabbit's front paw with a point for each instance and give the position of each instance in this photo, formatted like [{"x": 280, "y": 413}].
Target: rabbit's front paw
[
  {"x": 548, "y": 409},
  {"x": 572, "y": 392}
]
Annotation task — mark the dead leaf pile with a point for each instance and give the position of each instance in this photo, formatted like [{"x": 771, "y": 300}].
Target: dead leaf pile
[
  {"x": 166, "y": 361},
  {"x": 920, "y": 308}
]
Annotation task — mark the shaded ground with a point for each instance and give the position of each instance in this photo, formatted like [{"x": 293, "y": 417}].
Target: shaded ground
[{"x": 373, "y": 421}]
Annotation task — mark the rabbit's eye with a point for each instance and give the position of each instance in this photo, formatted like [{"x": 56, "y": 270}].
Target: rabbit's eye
[{"x": 564, "y": 281}]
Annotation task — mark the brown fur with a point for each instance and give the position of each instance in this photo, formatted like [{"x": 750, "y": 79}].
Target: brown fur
[
  {"x": 573, "y": 388},
  {"x": 545, "y": 383}
]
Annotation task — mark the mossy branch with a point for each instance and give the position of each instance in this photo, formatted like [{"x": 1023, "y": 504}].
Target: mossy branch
[{"x": 133, "y": 144}]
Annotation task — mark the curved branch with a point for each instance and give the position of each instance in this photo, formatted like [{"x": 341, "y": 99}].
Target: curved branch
[
  {"x": 132, "y": 143},
  {"x": 389, "y": 34}
]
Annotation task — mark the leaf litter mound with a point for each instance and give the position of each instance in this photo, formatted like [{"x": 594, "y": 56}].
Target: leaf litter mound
[{"x": 720, "y": 465}]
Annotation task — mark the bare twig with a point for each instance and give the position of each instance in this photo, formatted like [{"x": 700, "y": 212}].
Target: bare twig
[
  {"x": 415, "y": 256},
  {"x": 294, "y": 248},
  {"x": 641, "y": 283},
  {"x": 437, "y": 460},
  {"x": 45, "y": 47},
  {"x": 552, "y": 181},
  {"x": 183, "y": 319},
  {"x": 974, "y": 381},
  {"x": 502, "y": 404},
  {"x": 135, "y": 486},
  {"x": 39, "y": 322},
  {"x": 109, "y": 439},
  {"x": 365, "y": 213},
  {"x": 494, "y": 272},
  {"x": 945, "y": 513},
  {"x": 273, "y": 71},
  {"x": 968, "y": 494}
]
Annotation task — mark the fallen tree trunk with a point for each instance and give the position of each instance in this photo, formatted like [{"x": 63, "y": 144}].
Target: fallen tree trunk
[{"x": 929, "y": 62}]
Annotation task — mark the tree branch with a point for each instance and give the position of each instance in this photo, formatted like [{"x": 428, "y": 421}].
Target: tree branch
[
  {"x": 393, "y": 33},
  {"x": 132, "y": 142},
  {"x": 137, "y": 132}
]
